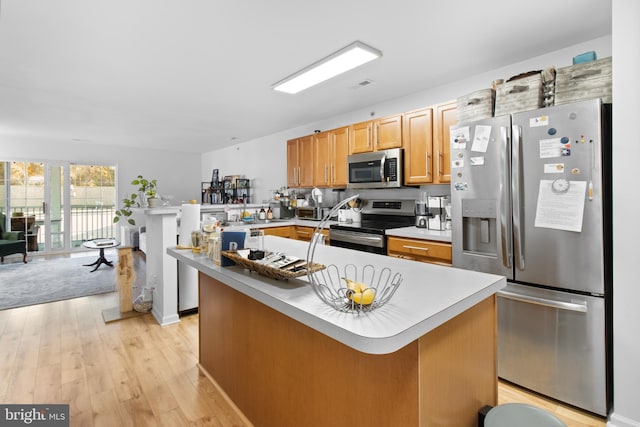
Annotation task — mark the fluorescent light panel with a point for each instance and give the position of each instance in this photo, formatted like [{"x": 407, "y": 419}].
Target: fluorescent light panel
[{"x": 345, "y": 59}]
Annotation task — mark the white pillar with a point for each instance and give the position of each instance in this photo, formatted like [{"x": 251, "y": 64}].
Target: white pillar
[{"x": 162, "y": 270}]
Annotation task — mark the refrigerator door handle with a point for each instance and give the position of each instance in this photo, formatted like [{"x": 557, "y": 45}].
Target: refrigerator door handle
[
  {"x": 505, "y": 198},
  {"x": 562, "y": 305},
  {"x": 516, "y": 192}
]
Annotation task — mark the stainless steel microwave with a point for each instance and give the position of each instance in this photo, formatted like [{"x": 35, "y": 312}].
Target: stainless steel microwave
[{"x": 378, "y": 169}]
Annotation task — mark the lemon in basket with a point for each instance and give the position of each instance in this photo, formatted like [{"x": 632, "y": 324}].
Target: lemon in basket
[{"x": 359, "y": 292}]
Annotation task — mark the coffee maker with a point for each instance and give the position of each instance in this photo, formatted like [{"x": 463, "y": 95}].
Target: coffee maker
[{"x": 437, "y": 212}]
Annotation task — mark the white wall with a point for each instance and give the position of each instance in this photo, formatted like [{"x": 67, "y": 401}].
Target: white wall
[
  {"x": 177, "y": 172},
  {"x": 626, "y": 153},
  {"x": 266, "y": 157}
]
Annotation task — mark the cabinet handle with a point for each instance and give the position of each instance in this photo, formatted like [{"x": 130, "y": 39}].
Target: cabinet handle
[
  {"x": 295, "y": 176},
  {"x": 326, "y": 177},
  {"x": 333, "y": 173},
  {"x": 415, "y": 247},
  {"x": 303, "y": 232},
  {"x": 299, "y": 175},
  {"x": 428, "y": 165},
  {"x": 440, "y": 158}
]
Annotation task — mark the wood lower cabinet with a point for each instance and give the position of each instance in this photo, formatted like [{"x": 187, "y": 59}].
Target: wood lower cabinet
[
  {"x": 445, "y": 117},
  {"x": 300, "y": 162},
  {"x": 286, "y": 231},
  {"x": 297, "y": 232},
  {"x": 330, "y": 152},
  {"x": 418, "y": 147},
  {"x": 281, "y": 373},
  {"x": 420, "y": 250},
  {"x": 305, "y": 233}
]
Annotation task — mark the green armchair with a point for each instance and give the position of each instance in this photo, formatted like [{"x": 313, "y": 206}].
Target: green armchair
[{"x": 11, "y": 242}]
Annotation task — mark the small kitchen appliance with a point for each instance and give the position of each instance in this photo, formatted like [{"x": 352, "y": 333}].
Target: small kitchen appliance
[
  {"x": 378, "y": 169},
  {"x": 422, "y": 215},
  {"x": 436, "y": 212}
]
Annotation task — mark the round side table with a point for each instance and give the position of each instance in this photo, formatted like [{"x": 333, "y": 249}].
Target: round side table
[{"x": 101, "y": 244}]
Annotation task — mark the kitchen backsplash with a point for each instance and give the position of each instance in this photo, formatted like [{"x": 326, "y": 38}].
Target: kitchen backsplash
[{"x": 332, "y": 197}]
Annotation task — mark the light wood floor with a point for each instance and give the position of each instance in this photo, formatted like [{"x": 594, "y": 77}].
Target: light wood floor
[{"x": 132, "y": 372}]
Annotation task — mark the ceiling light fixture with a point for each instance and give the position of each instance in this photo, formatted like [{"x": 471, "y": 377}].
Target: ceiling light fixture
[{"x": 347, "y": 58}]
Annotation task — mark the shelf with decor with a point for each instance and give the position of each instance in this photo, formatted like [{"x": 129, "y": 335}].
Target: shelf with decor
[{"x": 227, "y": 191}]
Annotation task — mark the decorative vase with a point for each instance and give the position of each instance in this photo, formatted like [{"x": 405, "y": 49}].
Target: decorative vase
[{"x": 153, "y": 202}]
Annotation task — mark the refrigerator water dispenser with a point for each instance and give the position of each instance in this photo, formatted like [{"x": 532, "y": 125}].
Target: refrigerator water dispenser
[{"x": 479, "y": 227}]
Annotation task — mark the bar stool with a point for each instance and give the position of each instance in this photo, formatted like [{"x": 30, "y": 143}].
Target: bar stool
[{"x": 521, "y": 415}]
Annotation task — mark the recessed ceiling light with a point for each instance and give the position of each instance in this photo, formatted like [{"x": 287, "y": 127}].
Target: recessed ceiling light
[{"x": 347, "y": 58}]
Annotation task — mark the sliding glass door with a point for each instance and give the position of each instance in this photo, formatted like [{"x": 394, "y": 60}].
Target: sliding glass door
[
  {"x": 55, "y": 208},
  {"x": 58, "y": 205},
  {"x": 93, "y": 200}
]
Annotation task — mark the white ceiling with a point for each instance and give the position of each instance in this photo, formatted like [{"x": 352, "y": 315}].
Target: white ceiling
[{"x": 196, "y": 75}]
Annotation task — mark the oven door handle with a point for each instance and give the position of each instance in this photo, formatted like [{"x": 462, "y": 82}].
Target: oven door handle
[
  {"x": 353, "y": 237},
  {"x": 356, "y": 238}
]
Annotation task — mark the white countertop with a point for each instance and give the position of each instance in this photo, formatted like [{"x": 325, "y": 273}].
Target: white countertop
[
  {"x": 410, "y": 232},
  {"x": 420, "y": 233},
  {"x": 429, "y": 296}
]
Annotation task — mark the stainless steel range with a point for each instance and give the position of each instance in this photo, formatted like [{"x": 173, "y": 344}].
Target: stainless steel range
[{"x": 369, "y": 234}]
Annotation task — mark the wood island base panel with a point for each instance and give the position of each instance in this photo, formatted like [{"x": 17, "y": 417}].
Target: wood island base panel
[{"x": 280, "y": 372}]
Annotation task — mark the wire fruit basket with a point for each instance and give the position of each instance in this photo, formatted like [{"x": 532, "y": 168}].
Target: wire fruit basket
[{"x": 351, "y": 288}]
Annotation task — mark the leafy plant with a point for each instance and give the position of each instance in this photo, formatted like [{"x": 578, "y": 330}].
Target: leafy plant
[{"x": 147, "y": 188}]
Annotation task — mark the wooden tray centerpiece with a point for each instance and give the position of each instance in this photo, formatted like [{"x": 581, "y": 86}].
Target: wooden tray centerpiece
[{"x": 274, "y": 270}]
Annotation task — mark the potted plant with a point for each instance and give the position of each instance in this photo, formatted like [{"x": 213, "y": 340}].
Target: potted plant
[{"x": 146, "y": 195}]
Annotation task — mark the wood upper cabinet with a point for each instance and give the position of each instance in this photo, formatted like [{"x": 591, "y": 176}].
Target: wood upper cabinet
[
  {"x": 445, "y": 116},
  {"x": 340, "y": 152},
  {"x": 300, "y": 162},
  {"x": 361, "y": 138},
  {"x": 418, "y": 147},
  {"x": 380, "y": 134},
  {"x": 292, "y": 163},
  {"x": 330, "y": 158},
  {"x": 322, "y": 159},
  {"x": 388, "y": 132}
]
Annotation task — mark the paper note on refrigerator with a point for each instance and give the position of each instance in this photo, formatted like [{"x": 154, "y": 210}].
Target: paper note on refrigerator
[
  {"x": 561, "y": 211},
  {"x": 459, "y": 138},
  {"x": 481, "y": 138}
]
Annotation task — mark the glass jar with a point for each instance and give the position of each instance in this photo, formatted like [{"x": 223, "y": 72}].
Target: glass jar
[{"x": 196, "y": 241}]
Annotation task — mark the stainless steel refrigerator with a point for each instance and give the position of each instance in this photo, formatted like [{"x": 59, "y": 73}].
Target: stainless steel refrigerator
[{"x": 531, "y": 200}]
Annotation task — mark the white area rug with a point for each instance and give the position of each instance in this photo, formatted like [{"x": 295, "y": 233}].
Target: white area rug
[{"x": 41, "y": 280}]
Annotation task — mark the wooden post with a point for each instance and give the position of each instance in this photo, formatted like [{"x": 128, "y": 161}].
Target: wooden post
[{"x": 126, "y": 276}]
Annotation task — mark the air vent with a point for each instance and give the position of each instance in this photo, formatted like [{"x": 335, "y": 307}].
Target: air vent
[{"x": 363, "y": 83}]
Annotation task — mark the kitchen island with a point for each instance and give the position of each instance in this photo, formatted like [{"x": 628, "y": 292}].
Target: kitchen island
[{"x": 284, "y": 358}]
